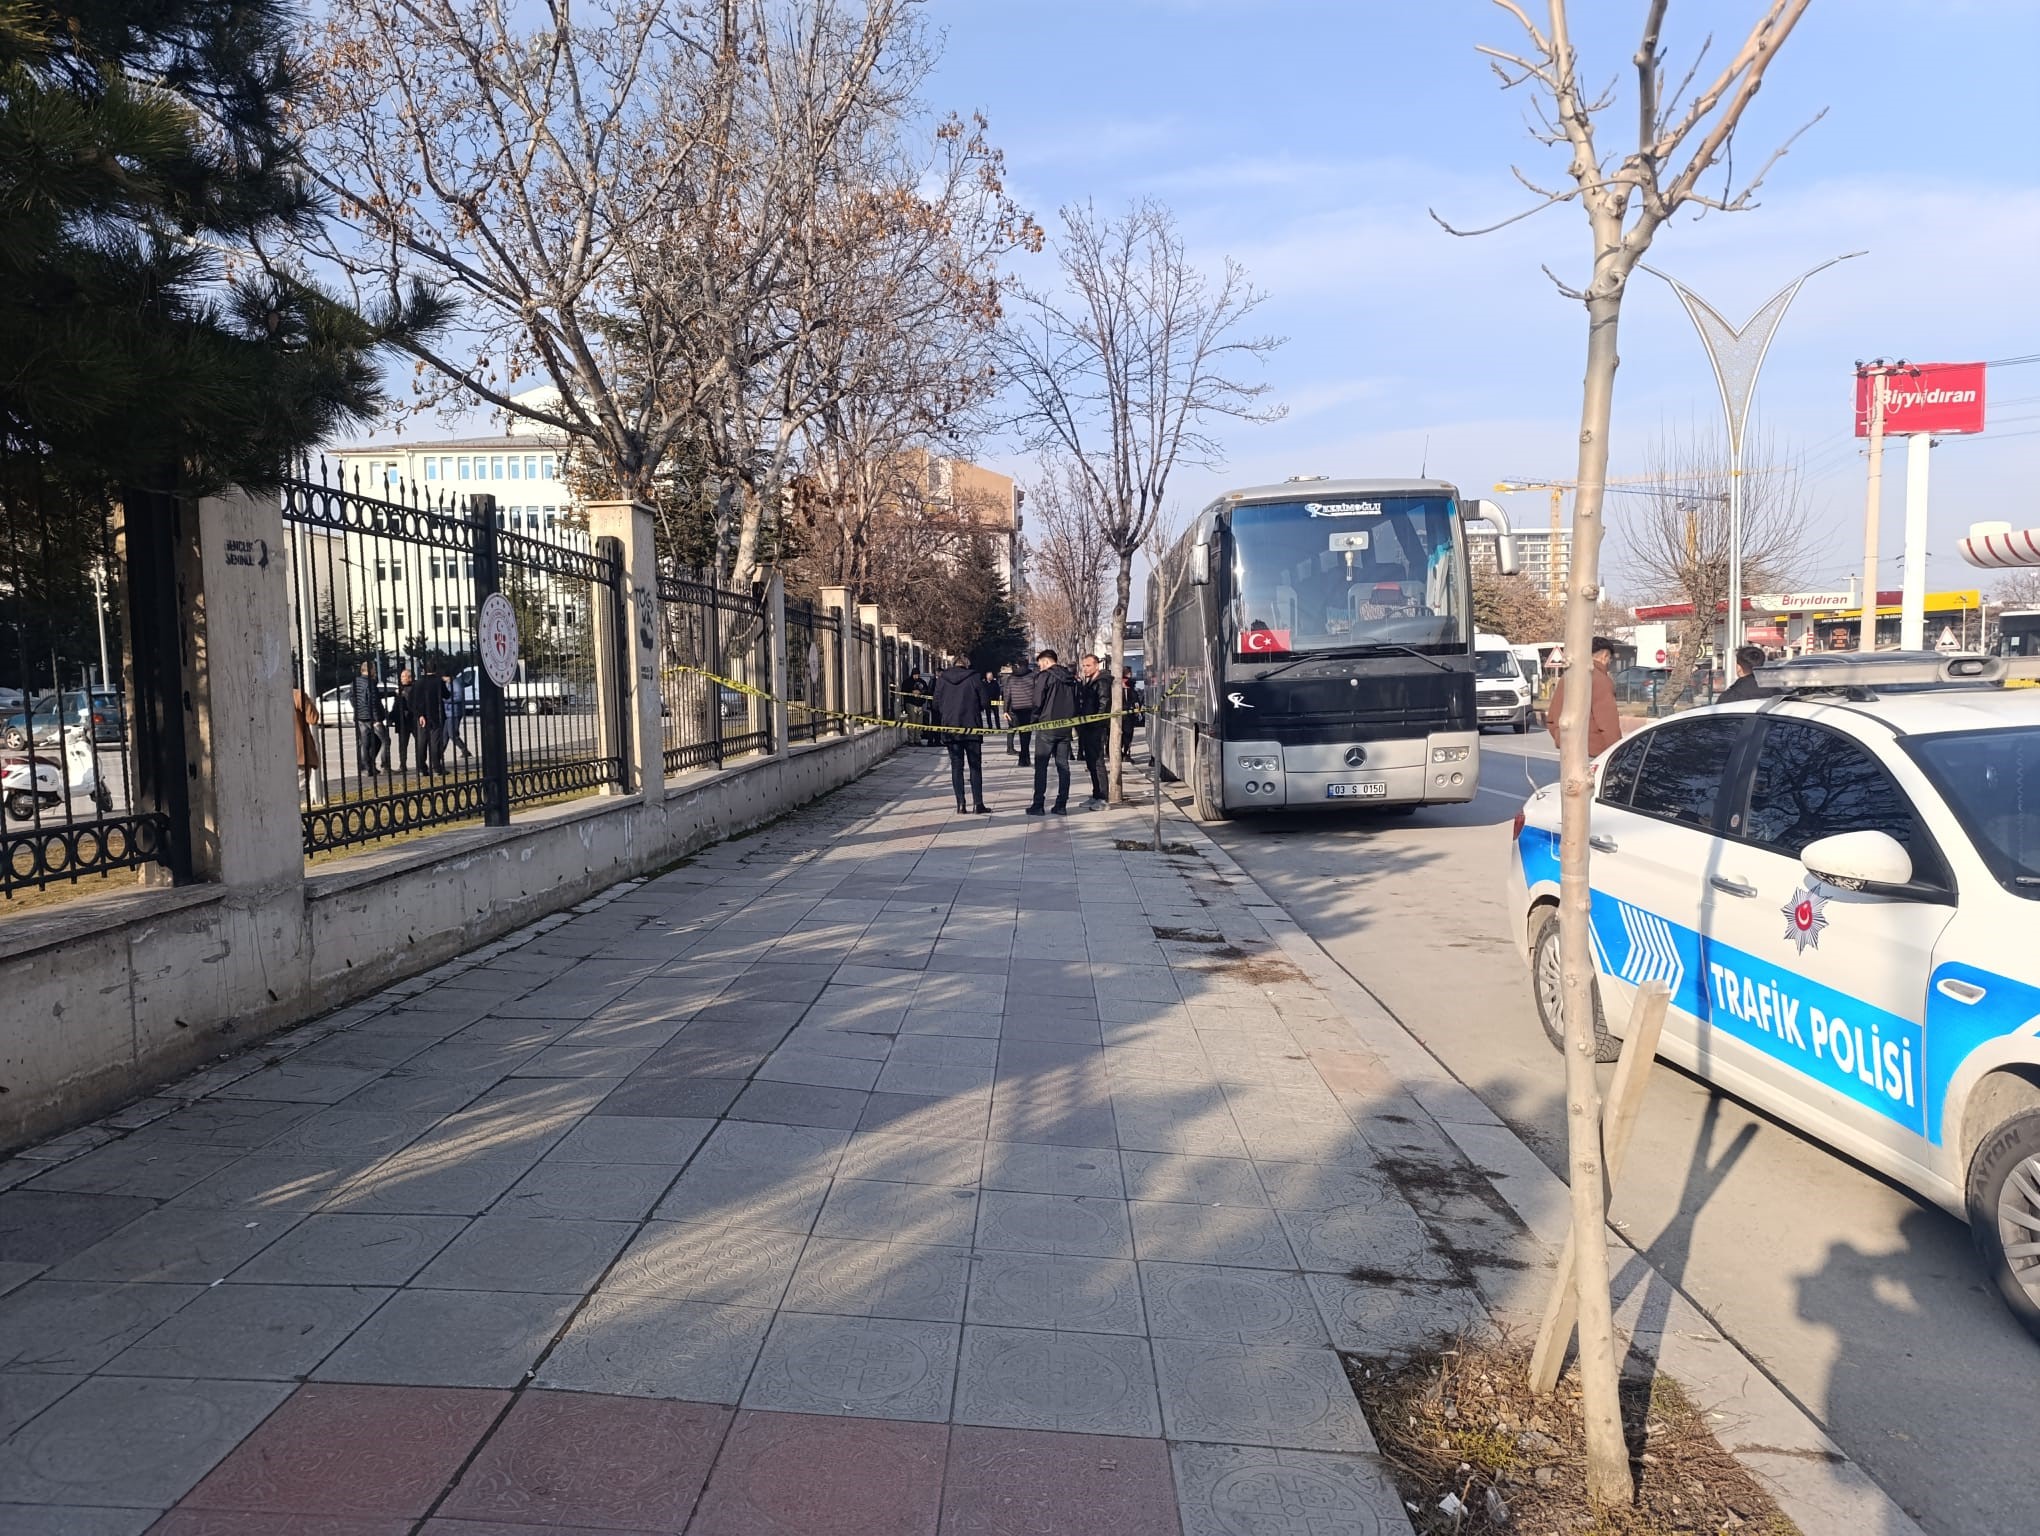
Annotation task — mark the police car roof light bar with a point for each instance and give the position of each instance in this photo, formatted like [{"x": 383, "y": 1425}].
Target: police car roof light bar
[{"x": 1892, "y": 669}]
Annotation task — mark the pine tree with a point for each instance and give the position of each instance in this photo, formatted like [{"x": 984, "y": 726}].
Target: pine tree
[
  {"x": 1000, "y": 639},
  {"x": 147, "y": 175}
]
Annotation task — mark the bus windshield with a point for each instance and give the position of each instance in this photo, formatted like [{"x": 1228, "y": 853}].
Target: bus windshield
[{"x": 1325, "y": 575}]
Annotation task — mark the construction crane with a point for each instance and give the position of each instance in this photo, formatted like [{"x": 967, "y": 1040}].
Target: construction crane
[{"x": 1558, "y": 488}]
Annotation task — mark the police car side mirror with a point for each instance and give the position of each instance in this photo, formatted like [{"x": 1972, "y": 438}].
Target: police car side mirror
[
  {"x": 1859, "y": 861},
  {"x": 1200, "y": 565}
]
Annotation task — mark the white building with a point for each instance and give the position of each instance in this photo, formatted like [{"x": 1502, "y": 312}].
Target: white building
[{"x": 1535, "y": 557}]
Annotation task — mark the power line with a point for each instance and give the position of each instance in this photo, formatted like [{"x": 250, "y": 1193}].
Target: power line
[{"x": 2014, "y": 362}]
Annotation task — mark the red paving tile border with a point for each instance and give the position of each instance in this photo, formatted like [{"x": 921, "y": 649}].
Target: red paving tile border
[
  {"x": 1031, "y": 1482},
  {"x": 585, "y": 1460},
  {"x": 351, "y": 1450},
  {"x": 797, "y": 1474}
]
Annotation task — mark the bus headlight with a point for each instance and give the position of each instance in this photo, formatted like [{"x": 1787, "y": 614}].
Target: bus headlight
[
  {"x": 1450, "y": 754},
  {"x": 1260, "y": 764}
]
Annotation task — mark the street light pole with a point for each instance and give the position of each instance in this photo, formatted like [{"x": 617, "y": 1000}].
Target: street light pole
[{"x": 1736, "y": 353}]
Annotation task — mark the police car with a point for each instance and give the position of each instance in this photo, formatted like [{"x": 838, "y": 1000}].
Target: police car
[{"x": 1840, "y": 886}]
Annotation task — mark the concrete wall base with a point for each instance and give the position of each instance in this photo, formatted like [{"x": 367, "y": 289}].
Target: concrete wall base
[{"x": 106, "y": 998}]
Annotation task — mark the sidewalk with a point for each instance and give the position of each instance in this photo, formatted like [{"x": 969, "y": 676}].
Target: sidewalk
[{"x": 887, "y": 1171}]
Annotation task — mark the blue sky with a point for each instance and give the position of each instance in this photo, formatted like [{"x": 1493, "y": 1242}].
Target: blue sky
[{"x": 1307, "y": 138}]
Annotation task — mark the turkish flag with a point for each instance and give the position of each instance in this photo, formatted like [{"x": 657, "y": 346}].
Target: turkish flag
[{"x": 1264, "y": 642}]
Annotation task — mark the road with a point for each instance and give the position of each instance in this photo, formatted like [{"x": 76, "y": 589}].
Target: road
[{"x": 1864, "y": 1303}]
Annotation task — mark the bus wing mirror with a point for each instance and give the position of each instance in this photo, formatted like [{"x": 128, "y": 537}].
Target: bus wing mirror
[
  {"x": 1200, "y": 565},
  {"x": 1505, "y": 539}
]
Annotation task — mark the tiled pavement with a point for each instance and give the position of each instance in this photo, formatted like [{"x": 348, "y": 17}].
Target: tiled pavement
[{"x": 885, "y": 1172}]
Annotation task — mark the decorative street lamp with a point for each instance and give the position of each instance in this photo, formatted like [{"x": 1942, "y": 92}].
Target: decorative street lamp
[{"x": 1737, "y": 354}]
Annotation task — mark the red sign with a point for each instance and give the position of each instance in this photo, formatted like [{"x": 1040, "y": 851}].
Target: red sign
[
  {"x": 1264, "y": 642},
  {"x": 1925, "y": 397}
]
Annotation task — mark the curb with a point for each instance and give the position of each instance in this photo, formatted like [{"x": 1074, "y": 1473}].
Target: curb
[{"x": 1812, "y": 1480}]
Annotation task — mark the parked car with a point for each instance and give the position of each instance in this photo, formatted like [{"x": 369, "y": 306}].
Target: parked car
[
  {"x": 1839, "y": 886},
  {"x": 1641, "y": 685},
  {"x": 50, "y": 717},
  {"x": 109, "y": 715}
]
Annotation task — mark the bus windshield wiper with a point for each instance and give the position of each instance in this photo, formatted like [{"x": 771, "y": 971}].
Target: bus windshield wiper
[{"x": 1335, "y": 653}]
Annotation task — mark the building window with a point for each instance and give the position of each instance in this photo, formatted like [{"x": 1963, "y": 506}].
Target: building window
[
  {"x": 432, "y": 469},
  {"x": 513, "y": 466},
  {"x": 546, "y": 467},
  {"x": 499, "y": 517},
  {"x": 531, "y": 466},
  {"x": 496, "y": 467},
  {"x": 463, "y": 462},
  {"x": 439, "y": 618},
  {"x": 381, "y": 571},
  {"x": 382, "y": 618},
  {"x": 471, "y": 618},
  {"x": 549, "y": 519}
]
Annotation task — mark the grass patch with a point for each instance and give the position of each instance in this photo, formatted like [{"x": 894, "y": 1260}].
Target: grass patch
[{"x": 1474, "y": 1453}]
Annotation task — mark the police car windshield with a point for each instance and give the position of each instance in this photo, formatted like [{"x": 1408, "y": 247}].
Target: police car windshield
[
  {"x": 1991, "y": 780},
  {"x": 1322, "y": 575}
]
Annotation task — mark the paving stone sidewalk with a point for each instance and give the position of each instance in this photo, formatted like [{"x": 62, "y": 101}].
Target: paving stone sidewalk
[{"x": 887, "y": 1171}]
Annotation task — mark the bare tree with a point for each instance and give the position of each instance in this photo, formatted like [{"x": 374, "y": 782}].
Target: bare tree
[
  {"x": 1513, "y": 607},
  {"x": 1679, "y": 139},
  {"x": 671, "y": 214},
  {"x": 1125, "y": 367},
  {"x": 2020, "y": 589},
  {"x": 1676, "y": 540},
  {"x": 1065, "y": 556}
]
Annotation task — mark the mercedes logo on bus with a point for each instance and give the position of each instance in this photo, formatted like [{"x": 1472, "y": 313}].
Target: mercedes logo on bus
[{"x": 1355, "y": 756}]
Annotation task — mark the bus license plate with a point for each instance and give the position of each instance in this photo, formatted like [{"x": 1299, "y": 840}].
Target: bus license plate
[{"x": 1376, "y": 789}]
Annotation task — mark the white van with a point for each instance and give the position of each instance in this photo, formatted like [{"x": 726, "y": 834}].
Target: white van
[{"x": 1501, "y": 693}]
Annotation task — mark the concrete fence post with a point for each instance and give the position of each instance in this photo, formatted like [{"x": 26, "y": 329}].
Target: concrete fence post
[
  {"x": 627, "y": 673},
  {"x": 874, "y": 667},
  {"x": 775, "y": 616},
  {"x": 835, "y": 642},
  {"x": 246, "y": 825}
]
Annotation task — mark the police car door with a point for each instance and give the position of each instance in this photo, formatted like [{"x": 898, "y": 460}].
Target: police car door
[
  {"x": 1653, "y": 836},
  {"x": 1815, "y": 995}
]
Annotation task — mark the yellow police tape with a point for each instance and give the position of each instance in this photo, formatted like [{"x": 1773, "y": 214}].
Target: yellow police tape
[{"x": 904, "y": 725}]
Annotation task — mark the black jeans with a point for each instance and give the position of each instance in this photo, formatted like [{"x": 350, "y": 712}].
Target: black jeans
[
  {"x": 968, "y": 750},
  {"x": 1091, "y": 747},
  {"x": 1025, "y": 738},
  {"x": 368, "y": 745},
  {"x": 1057, "y": 752},
  {"x": 400, "y": 748}
]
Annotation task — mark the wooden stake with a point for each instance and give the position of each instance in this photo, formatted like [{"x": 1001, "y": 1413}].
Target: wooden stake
[{"x": 1625, "y": 1098}]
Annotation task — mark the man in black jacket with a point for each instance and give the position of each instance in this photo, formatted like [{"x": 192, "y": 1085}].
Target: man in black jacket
[
  {"x": 365, "y": 697},
  {"x": 404, "y": 724},
  {"x": 1094, "y": 695},
  {"x": 427, "y": 708},
  {"x": 1055, "y": 698},
  {"x": 961, "y": 697},
  {"x": 1021, "y": 690},
  {"x": 1747, "y": 659}
]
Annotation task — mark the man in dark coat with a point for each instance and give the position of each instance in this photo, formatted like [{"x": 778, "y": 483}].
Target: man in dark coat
[
  {"x": 1021, "y": 690},
  {"x": 404, "y": 724},
  {"x": 1055, "y": 698},
  {"x": 1747, "y": 659},
  {"x": 961, "y": 697},
  {"x": 1094, "y": 696},
  {"x": 365, "y": 698},
  {"x": 427, "y": 708}
]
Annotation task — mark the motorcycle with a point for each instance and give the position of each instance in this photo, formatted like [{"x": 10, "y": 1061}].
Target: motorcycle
[{"x": 33, "y": 781}]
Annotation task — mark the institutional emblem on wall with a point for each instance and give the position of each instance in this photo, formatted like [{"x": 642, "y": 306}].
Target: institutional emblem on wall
[{"x": 1806, "y": 915}]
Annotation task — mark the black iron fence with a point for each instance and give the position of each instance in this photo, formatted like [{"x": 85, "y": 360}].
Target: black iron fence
[
  {"x": 68, "y": 807},
  {"x": 401, "y": 725},
  {"x": 711, "y": 639},
  {"x": 806, "y": 690}
]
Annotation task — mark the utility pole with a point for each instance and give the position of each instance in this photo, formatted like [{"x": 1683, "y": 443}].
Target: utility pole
[
  {"x": 1912, "y": 586},
  {"x": 1877, "y": 373}
]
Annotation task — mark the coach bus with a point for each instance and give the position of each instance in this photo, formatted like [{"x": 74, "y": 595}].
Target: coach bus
[{"x": 1310, "y": 644}]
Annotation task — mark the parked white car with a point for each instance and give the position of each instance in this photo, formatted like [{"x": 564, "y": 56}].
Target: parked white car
[{"x": 1840, "y": 885}]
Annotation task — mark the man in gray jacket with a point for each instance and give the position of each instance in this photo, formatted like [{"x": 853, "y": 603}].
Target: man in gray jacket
[{"x": 1020, "y": 691}]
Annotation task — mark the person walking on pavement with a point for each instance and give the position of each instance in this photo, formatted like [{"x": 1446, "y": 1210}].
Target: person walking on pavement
[
  {"x": 1022, "y": 689},
  {"x": 427, "y": 709},
  {"x": 1055, "y": 699},
  {"x": 1131, "y": 713},
  {"x": 404, "y": 724},
  {"x": 1747, "y": 659},
  {"x": 1093, "y": 696},
  {"x": 1604, "y": 726},
  {"x": 456, "y": 712},
  {"x": 304, "y": 719},
  {"x": 364, "y": 697},
  {"x": 961, "y": 697}
]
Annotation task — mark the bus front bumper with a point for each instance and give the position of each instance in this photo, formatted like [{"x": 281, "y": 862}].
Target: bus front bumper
[{"x": 1443, "y": 769}]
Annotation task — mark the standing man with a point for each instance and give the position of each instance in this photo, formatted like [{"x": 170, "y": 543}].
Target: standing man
[
  {"x": 304, "y": 715},
  {"x": 1055, "y": 699},
  {"x": 961, "y": 697},
  {"x": 404, "y": 723},
  {"x": 456, "y": 712},
  {"x": 1022, "y": 689},
  {"x": 1604, "y": 726},
  {"x": 1094, "y": 695},
  {"x": 364, "y": 696},
  {"x": 427, "y": 710},
  {"x": 1747, "y": 659}
]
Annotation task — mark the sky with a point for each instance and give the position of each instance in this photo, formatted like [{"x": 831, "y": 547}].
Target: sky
[{"x": 1307, "y": 138}]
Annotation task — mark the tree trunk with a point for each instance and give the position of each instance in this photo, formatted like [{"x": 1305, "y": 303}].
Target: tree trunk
[
  {"x": 1608, "y": 1481},
  {"x": 1122, "y": 600}
]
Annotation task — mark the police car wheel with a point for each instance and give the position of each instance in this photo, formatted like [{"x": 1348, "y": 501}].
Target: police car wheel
[
  {"x": 2004, "y": 1213},
  {"x": 1545, "y": 971}
]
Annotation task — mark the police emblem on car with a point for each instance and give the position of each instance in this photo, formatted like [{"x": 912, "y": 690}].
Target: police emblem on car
[{"x": 1805, "y": 915}]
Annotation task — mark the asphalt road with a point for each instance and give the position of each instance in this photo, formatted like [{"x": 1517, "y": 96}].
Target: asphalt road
[{"x": 1863, "y": 1302}]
